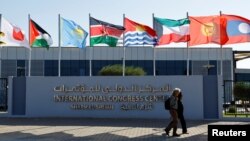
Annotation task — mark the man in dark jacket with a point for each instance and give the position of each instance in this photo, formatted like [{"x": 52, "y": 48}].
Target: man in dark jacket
[
  {"x": 173, "y": 113},
  {"x": 180, "y": 111}
]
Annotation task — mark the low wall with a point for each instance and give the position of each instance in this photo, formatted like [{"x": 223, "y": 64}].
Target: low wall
[{"x": 104, "y": 97}]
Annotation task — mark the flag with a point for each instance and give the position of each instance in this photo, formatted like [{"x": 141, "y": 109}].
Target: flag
[
  {"x": 207, "y": 29},
  {"x": 38, "y": 36},
  {"x": 103, "y": 32},
  {"x": 11, "y": 35},
  {"x": 238, "y": 29},
  {"x": 138, "y": 34},
  {"x": 171, "y": 30},
  {"x": 72, "y": 34}
]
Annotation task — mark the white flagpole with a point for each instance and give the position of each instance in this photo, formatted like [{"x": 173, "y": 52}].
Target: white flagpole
[
  {"x": 59, "y": 45},
  {"x": 29, "y": 62},
  {"x": 187, "y": 55},
  {"x": 0, "y": 48},
  {"x": 90, "y": 50},
  {"x": 154, "y": 69},
  {"x": 221, "y": 57},
  {"x": 90, "y": 61},
  {"x": 1, "y": 60},
  {"x": 124, "y": 50},
  {"x": 30, "y": 47}
]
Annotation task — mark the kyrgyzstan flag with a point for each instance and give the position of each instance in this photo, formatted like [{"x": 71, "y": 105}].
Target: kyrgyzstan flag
[
  {"x": 238, "y": 29},
  {"x": 208, "y": 29},
  {"x": 11, "y": 35}
]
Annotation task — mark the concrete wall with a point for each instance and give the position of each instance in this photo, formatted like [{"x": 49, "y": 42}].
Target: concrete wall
[
  {"x": 19, "y": 96},
  {"x": 40, "y": 96},
  {"x": 210, "y": 97}
]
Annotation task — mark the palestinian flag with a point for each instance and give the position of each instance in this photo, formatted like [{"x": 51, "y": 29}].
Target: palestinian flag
[
  {"x": 38, "y": 36},
  {"x": 103, "y": 32},
  {"x": 169, "y": 30}
]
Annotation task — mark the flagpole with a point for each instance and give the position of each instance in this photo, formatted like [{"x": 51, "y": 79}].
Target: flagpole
[
  {"x": 30, "y": 47},
  {"x": 59, "y": 45},
  {"x": 187, "y": 53},
  {"x": 154, "y": 69},
  {"x": 29, "y": 62},
  {"x": 0, "y": 48},
  {"x": 1, "y": 57},
  {"x": 90, "y": 50},
  {"x": 221, "y": 56},
  {"x": 124, "y": 50}
]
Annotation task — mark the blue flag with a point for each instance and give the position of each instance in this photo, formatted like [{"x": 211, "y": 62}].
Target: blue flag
[{"x": 72, "y": 34}]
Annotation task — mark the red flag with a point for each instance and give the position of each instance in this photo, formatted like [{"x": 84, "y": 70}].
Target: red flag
[{"x": 208, "y": 29}]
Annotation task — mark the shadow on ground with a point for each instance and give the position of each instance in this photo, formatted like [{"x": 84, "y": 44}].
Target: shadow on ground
[
  {"x": 154, "y": 129},
  {"x": 61, "y": 136}
]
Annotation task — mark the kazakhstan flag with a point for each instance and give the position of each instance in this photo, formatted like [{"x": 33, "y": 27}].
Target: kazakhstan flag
[{"x": 72, "y": 34}]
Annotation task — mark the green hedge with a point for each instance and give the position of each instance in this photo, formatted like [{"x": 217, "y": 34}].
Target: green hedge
[
  {"x": 242, "y": 90},
  {"x": 232, "y": 109},
  {"x": 116, "y": 70}
]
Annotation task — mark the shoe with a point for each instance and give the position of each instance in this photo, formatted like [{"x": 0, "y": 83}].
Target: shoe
[
  {"x": 185, "y": 132},
  {"x": 167, "y": 132},
  {"x": 176, "y": 135}
]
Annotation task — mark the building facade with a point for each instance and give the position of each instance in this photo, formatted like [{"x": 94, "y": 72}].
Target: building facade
[
  {"x": 75, "y": 94},
  {"x": 76, "y": 62},
  {"x": 242, "y": 75}
]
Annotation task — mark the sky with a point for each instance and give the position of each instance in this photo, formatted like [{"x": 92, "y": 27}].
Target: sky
[{"x": 45, "y": 13}]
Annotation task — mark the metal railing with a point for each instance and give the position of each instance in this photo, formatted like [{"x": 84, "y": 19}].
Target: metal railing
[
  {"x": 234, "y": 106},
  {"x": 3, "y": 94}
]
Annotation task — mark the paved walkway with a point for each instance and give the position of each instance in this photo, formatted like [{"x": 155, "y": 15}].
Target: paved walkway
[{"x": 77, "y": 129}]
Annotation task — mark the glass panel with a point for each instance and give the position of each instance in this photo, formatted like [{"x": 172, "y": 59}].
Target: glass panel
[
  {"x": 51, "y": 68},
  {"x": 212, "y": 70},
  {"x": 8, "y": 68},
  {"x": 227, "y": 72},
  {"x": 37, "y": 68},
  {"x": 20, "y": 67},
  {"x": 200, "y": 67},
  {"x": 84, "y": 67}
]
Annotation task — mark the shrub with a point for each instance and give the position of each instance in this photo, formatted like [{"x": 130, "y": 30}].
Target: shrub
[
  {"x": 232, "y": 109},
  {"x": 116, "y": 70},
  {"x": 242, "y": 90}
]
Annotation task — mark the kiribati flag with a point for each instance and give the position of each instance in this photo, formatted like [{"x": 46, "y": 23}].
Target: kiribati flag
[
  {"x": 138, "y": 34},
  {"x": 238, "y": 29}
]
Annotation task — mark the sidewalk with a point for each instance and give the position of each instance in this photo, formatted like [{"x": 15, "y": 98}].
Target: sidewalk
[{"x": 81, "y": 129}]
